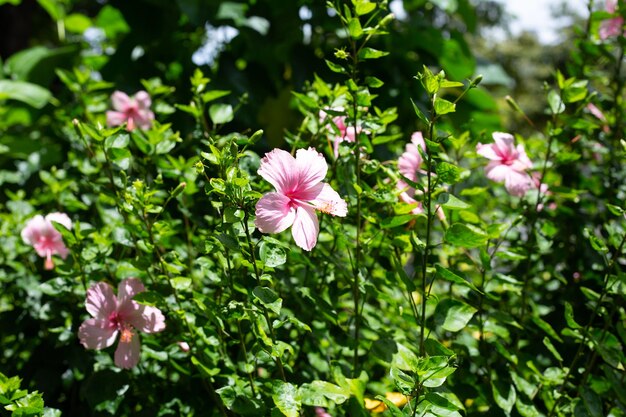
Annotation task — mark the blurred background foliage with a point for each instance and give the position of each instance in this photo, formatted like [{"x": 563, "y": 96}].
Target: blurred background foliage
[{"x": 261, "y": 50}]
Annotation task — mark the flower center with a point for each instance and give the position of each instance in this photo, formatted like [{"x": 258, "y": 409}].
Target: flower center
[{"x": 127, "y": 335}]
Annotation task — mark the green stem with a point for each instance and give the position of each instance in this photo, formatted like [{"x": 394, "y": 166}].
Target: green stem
[{"x": 266, "y": 314}]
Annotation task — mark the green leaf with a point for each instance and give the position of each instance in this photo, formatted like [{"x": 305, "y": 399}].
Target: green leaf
[
  {"x": 354, "y": 28},
  {"x": 317, "y": 393},
  {"x": 419, "y": 113},
  {"x": 26, "y": 92},
  {"x": 452, "y": 277},
  {"x": 545, "y": 326},
  {"x": 271, "y": 255},
  {"x": 77, "y": 23},
  {"x": 548, "y": 344},
  {"x": 453, "y": 315},
  {"x": 449, "y": 201},
  {"x": 286, "y": 398},
  {"x": 53, "y": 7},
  {"x": 465, "y": 235},
  {"x": 221, "y": 113},
  {"x": 373, "y": 82},
  {"x": 404, "y": 382},
  {"x": 592, "y": 402},
  {"x": 364, "y": 7},
  {"x": 371, "y": 53},
  {"x": 430, "y": 81},
  {"x": 389, "y": 222},
  {"x": 505, "y": 398},
  {"x": 448, "y": 173},
  {"x": 181, "y": 283},
  {"x": 443, "y": 106},
  {"x": 569, "y": 317},
  {"x": 268, "y": 298},
  {"x": 214, "y": 95},
  {"x": 555, "y": 102},
  {"x": 335, "y": 67}
]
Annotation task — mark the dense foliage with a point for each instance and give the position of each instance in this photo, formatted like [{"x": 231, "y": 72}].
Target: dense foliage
[{"x": 307, "y": 208}]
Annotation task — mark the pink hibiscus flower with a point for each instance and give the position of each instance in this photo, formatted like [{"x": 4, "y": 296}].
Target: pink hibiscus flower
[
  {"x": 118, "y": 315},
  {"x": 346, "y": 133},
  {"x": 47, "y": 241},
  {"x": 299, "y": 192},
  {"x": 508, "y": 163},
  {"x": 614, "y": 26},
  {"x": 409, "y": 165},
  {"x": 133, "y": 111}
]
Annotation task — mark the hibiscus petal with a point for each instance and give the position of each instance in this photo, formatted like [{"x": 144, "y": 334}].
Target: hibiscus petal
[
  {"x": 143, "y": 99},
  {"x": 329, "y": 201},
  {"x": 311, "y": 168},
  {"x": 101, "y": 301},
  {"x": 147, "y": 319},
  {"x": 278, "y": 168},
  {"x": 498, "y": 172},
  {"x": 274, "y": 213},
  {"x": 31, "y": 232},
  {"x": 518, "y": 183},
  {"x": 128, "y": 352},
  {"x": 120, "y": 101},
  {"x": 305, "y": 228},
  {"x": 115, "y": 118},
  {"x": 126, "y": 290},
  {"x": 487, "y": 151},
  {"x": 61, "y": 218},
  {"x": 96, "y": 334}
]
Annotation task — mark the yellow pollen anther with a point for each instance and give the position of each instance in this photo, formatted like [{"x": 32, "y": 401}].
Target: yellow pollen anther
[
  {"x": 326, "y": 207},
  {"x": 126, "y": 336}
]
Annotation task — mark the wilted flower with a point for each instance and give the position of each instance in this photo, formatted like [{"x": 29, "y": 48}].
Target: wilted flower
[
  {"x": 47, "y": 241},
  {"x": 299, "y": 192},
  {"x": 508, "y": 163},
  {"x": 133, "y": 111},
  {"x": 346, "y": 133},
  {"x": 614, "y": 26},
  {"x": 118, "y": 315}
]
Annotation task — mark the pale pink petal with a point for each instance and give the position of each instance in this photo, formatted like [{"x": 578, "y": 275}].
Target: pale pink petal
[
  {"x": 128, "y": 351},
  {"x": 278, "y": 168},
  {"x": 498, "y": 172},
  {"x": 503, "y": 140},
  {"x": 611, "y": 27},
  {"x": 610, "y": 6},
  {"x": 518, "y": 183},
  {"x": 61, "y": 218},
  {"x": 418, "y": 140},
  {"x": 126, "y": 290},
  {"x": 96, "y": 334},
  {"x": 305, "y": 228},
  {"x": 311, "y": 168},
  {"x": 409, "y": 163},
  {"x": 593, "y": 109},
  {"x": 143, "y": 99},
  {"x": 329, "y": 201},
  {"x": 101, "y": 301},
  {"x": 120, "y": 101},
  {"x": 115, "y": 118},
  {"x": 147, "y": 319},
  {"x": 488, "y": 151},
  {"x": 31, "y": 232},
  {"x": 274, "y": 213},
  {"x": 144, "y": 119},
  {"x": 522, "y": 162}
]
